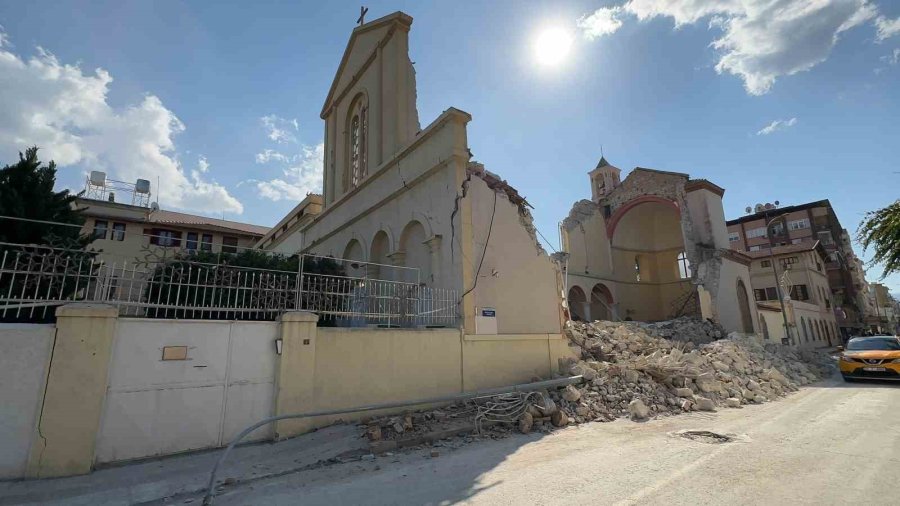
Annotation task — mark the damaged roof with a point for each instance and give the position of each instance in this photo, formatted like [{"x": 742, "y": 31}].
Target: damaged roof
[{"x": 494, "y": 182}]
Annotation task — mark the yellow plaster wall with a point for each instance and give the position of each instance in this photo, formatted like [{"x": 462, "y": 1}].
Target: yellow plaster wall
[
  {"x": 342, "y": 368},
  {"x": 76, "y": 387}
]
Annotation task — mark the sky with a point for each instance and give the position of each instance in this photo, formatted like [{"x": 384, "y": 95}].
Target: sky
[{"x": 788, "y": 100}]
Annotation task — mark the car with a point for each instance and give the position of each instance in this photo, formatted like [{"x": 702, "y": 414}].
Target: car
[{"x": 875, "y": 357}]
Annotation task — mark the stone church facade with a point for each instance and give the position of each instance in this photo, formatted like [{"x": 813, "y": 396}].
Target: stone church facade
[
  {"x": 651, "y": 247},
  {"x": 400, "y": 195}
]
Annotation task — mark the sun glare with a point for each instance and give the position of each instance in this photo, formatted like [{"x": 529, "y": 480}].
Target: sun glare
[{"x": 552, "y": 46}]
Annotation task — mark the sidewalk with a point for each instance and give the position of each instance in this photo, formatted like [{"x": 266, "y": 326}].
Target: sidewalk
[{"x": 167, "y": 477}]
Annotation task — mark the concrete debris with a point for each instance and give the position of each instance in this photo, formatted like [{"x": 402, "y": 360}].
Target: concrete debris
[
  {"x": 634, "y": 370},
  {"x": 645, "y": 370},
  {"x": 638, "y": 410}
]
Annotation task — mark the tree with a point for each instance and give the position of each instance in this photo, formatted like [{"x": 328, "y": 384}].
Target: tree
[
  {"x": 26, "y": 191},
  {"x": 250, "y": 285},
  {"x": 881, "y": 230},
  {"x": 41, "y": 264}
]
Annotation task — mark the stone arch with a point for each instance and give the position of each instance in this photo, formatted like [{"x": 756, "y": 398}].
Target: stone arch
[
  {"x": 764, "y": 327},
  {"x": 577, "y": 302},
  {"x": 415, "y": 252},
  {"x": 425, "y": 222},
  {"x": 354, "y": 251},
  {"x": 620, "y": 213},
  {"x": 379, "y": 253},
  {"x": 744, "y": 306},
  {"x": 601, "y": 303},
  {"x": 645, "y": 239}
]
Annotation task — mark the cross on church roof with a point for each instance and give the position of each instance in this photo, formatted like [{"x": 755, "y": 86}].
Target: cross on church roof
[{"x": 362, "y": 15}]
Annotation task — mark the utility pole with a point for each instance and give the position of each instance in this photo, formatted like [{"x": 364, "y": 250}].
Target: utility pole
[{"x": 787, "y": 329}]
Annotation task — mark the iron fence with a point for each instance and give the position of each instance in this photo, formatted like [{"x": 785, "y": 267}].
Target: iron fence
[{"x": 36, "y": 279}]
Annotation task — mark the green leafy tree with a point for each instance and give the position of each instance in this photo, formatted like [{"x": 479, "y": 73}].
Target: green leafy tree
[
  {"x": 40, "y": 263},
  {"x": 181, "y": 287},
  {"x": 880, "y": 230},
  {"x": 26, "y": 191}
]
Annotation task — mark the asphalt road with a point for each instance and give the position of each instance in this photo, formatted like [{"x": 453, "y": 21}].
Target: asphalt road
[{"x": 832, "y": 443}]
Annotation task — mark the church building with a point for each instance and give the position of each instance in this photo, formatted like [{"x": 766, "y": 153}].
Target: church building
[
  {"x": 652, "y": 247},
  {"x": 397, "y": 194}
]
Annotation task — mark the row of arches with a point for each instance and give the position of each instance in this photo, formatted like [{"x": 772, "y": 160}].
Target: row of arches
[
  {"x": 818, "y": 330},
  {"x": 600, "y": 306},
  {"x": 415, "y": 248}
]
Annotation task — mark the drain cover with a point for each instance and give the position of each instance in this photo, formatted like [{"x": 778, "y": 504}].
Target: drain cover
[{"x": 705, "y": 436}]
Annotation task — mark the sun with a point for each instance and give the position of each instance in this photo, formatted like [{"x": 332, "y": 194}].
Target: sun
[{"x": 552, "y": 46}]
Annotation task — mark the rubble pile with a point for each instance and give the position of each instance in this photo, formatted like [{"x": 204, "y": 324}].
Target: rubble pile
[
  {"x": 645, "y": 370},
  {"x": 633, "y": 369},
  {"x": 685, "y": 329},
  {"x": 407, "y": 425}
]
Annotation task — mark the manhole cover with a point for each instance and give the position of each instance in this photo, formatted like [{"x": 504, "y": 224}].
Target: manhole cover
[{"x": 705, "y": 436}]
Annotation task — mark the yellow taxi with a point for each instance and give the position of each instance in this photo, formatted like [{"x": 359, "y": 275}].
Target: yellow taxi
[{"x": 875, "y": 357}]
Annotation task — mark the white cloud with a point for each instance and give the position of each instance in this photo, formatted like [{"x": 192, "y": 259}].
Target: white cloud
[
  {"x": 683, "y": 11},
  {"x": 202, "y": 164},
  {"x": 302, "y": 174},
  {"x": 778, "y": 124},
  {"x": 603, "y": 21},
  {"x": 886, "y": 28},
  {"x": 64, "y": 111},
  {"x": 892, "y": 58},
  {"x": 761, "y": 40},
  {"x": 279, "y": 129},
  {"x": 269, "y": 155}
]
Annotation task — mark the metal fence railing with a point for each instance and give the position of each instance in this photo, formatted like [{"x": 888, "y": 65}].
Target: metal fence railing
[
  {"x": 36, "y": 279},
  {"x": 359, "y": 302}
]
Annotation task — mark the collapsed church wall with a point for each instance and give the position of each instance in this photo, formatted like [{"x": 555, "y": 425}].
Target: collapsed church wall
[
  {"x": 636, "y": 261},
  {"x": 506, "y": 268}
]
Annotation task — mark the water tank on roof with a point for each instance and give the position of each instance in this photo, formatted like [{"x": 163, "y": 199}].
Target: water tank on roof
[
  {"x": 142, "y": 186},
  {"x": 98, "y": 178}
]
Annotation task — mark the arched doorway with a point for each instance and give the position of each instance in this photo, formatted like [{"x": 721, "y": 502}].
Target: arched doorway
[
  {"x": 415, "y": 253},
  {"x": 764, "y": 327},
  {"x": 601, "y": 303},
  {"x": 381, "y": 247},
  {"x": 354, "y": 252},
  {"x": 577, "y": 303},
  {"x": 744, "y": 306}
]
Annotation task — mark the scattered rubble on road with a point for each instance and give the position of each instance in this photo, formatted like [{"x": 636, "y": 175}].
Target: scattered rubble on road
[
  {"x": 645, "y": 370},
  {"x": 630, "y": 369}
]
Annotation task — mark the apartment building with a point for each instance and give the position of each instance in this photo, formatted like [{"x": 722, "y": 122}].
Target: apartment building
[
  {"x": 799, "y": 270},
  {"x": 134, "y": 233},
  {"x": 802, "y": 226},
  {"x": 883, "y": 317}
]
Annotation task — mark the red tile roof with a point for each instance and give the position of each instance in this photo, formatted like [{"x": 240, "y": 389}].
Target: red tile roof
[{"x": 175, "y": 218}]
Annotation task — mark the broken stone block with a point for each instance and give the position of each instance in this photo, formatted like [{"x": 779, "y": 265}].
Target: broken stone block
[
  {"x": 684, "y": 392},
  {"x": 733, "y": 402},
  {"x": 526, "y": 422},
  {"x": 631, "y": 376},
  {"x": 559, "y": 419},
  {"x": 638, "y": 410},
  {"x": 571, "y": 394},
  {"x": 374, "y": 433},
  {"x": 704, "y": 404}
]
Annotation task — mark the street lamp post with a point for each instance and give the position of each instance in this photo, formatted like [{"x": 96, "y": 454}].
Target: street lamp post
[{"x": 787, "y": 329}]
